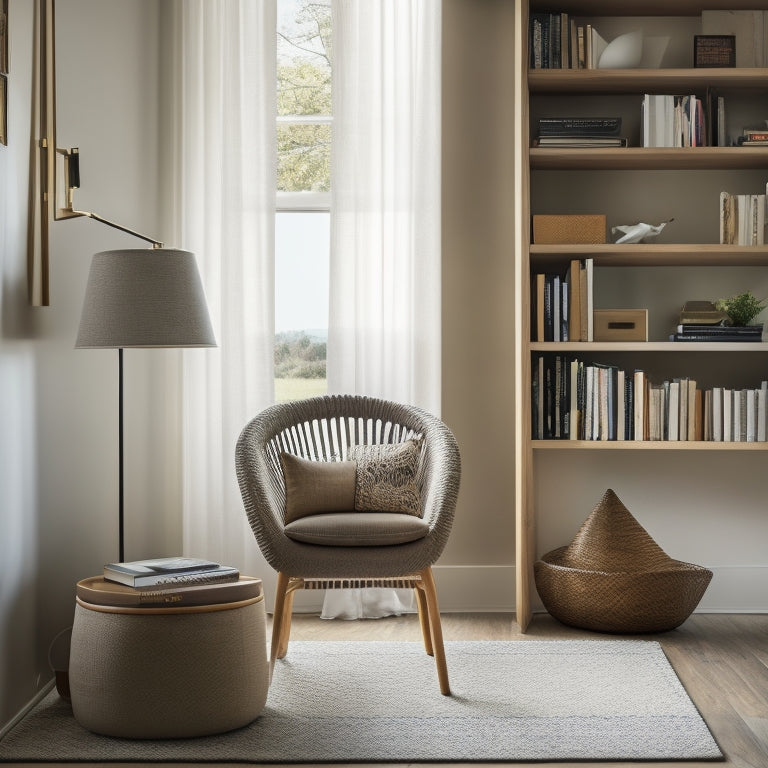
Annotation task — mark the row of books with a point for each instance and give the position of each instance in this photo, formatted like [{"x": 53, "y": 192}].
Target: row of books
[
  {"x": 557, "y": 42},
  {"x": 574, "y": 400},
  {"x": 562, "y": 306},
  {"x": 742, "y": 218},
  {"x": 669, "y": 120}
]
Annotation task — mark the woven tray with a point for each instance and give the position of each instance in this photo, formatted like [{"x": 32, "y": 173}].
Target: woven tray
[{"x": 613, "y": 577}]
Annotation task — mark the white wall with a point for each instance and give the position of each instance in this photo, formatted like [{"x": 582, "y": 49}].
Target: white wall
[{"x": 58, "y": 405}]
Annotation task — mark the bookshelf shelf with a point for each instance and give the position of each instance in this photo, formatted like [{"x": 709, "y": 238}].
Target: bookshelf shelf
[
  {"x": 643, "y": 7},
  {"x": 543, "y": 257},
  {"x": 650, "y": 159},
  {"x": 679, "y": 348},
  {"x": 689, "y": 194},
  {"x": 644, "y": 445},
  {"x": 644, "y": 80}
]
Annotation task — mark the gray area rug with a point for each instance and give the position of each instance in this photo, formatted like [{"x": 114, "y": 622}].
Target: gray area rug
[{"x": 372, "y": 701}]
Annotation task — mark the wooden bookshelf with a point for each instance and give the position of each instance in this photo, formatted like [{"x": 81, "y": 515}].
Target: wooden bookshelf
[{"x": 547, "y": 88}]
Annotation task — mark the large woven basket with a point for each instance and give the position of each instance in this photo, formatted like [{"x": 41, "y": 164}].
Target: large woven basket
[{"x": 614, "y": 577}]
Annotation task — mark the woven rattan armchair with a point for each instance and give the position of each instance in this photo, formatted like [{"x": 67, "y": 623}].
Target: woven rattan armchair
[{"x": 324, "y": 429}]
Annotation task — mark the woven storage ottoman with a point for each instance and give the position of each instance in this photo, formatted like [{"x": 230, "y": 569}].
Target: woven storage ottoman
[
  {"x": 169, "y": 671},
  {"x": 613, "y": 577}
]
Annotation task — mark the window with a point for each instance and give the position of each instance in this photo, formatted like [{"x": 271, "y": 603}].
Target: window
[{"x": 302, "y": 223}]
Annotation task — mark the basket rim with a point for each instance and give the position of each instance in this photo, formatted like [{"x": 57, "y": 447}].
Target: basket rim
[{"x": 677, "y": 566}]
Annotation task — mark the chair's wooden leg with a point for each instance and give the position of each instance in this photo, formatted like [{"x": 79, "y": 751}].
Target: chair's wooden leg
[
  {"x": 436, "y": 629},
  {"x": 426, "y": 633},
  {"x": 278, "y": 619},
  {"x": 285, "y": 630}
]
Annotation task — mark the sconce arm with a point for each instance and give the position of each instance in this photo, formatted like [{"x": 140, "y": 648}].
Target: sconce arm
[{"x": 71, "y": 182}]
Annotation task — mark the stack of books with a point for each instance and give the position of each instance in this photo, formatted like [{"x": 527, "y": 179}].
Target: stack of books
[
  {"x": 753, "y": 137},
  {"x": 725, "y": 333},
  {"x": 580, "y": 132},
  {"x": 169, "y": 573},
  {"x": 702, "y": 321}
]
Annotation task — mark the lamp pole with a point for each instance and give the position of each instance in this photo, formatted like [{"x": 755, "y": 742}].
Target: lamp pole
[{"x": 121, "y": 459}]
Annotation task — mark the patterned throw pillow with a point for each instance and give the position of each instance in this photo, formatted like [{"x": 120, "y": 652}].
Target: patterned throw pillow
[{"x": 386, "y": 477}]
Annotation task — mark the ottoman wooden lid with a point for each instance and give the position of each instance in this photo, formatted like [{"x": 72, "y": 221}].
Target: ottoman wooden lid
[{"x": 99, "y": 591}]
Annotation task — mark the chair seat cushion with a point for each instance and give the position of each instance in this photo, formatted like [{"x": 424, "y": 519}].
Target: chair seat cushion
[{"x": 357, "y": 529}]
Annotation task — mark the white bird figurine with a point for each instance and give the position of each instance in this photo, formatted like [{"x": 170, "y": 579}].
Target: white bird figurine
[{"x": 636, "y": 233}]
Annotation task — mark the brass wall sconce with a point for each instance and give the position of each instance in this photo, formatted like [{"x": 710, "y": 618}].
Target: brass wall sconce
[{"x": 54, "y": 172}]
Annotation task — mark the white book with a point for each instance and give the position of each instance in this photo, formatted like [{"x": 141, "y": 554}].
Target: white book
[
  {"x": 751, "y": 435},
  {"x": 590, "y": 270},
  {"x": 682, "y": 433},
  {"x": 639, "y": 413},
  {"x": 708, "y": 414},
  {"x": 736, "y": 423},
  {"x": 691, "y": 409},
  {"x": 673, "y": 409},
  {"x": 762, "y": 412},
  {"x": 727, "y": 415},
  {"x": 573, "y": 415},
  {"x": 717, "y": 414}
]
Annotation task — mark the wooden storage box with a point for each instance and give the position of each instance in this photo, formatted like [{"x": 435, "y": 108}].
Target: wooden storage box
[
  {"x": 576, "y": 228},
  {"x": 620, "y": 324}
]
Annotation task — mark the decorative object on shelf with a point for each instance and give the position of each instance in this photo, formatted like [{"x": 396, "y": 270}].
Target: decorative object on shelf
[
  {"x": 714, "y": 51},
  {"x": 613, "y": 577},
  {"x": 749, "y": 29},
  {"x": 743, "y": 308},
  {"x": 569, "y": 228},
  {"x": 638, "y": 233},
  {"x": 621, "y": 325},
  {"x": 624, "y": 52}
]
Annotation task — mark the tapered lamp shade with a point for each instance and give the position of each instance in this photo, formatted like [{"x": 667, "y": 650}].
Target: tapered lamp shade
[{"x": 144, "y": 298}]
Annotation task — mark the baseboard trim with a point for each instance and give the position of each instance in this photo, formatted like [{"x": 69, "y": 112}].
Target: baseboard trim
[{"x": 491, "y": 589}]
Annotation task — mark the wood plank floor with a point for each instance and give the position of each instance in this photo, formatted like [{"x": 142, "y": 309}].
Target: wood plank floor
[{"x": 722, "y": 660}]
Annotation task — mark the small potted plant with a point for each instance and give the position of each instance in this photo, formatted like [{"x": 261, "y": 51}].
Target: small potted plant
[{"x": 742, "y": 309}]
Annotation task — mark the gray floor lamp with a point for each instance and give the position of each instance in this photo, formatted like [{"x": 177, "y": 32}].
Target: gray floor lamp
[{"x": 146, "y": 298}]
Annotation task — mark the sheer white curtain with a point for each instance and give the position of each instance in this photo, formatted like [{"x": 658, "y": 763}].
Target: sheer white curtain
[
  {"x": 223, "y": 123},
  {"x": 384, "y": 328}
]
